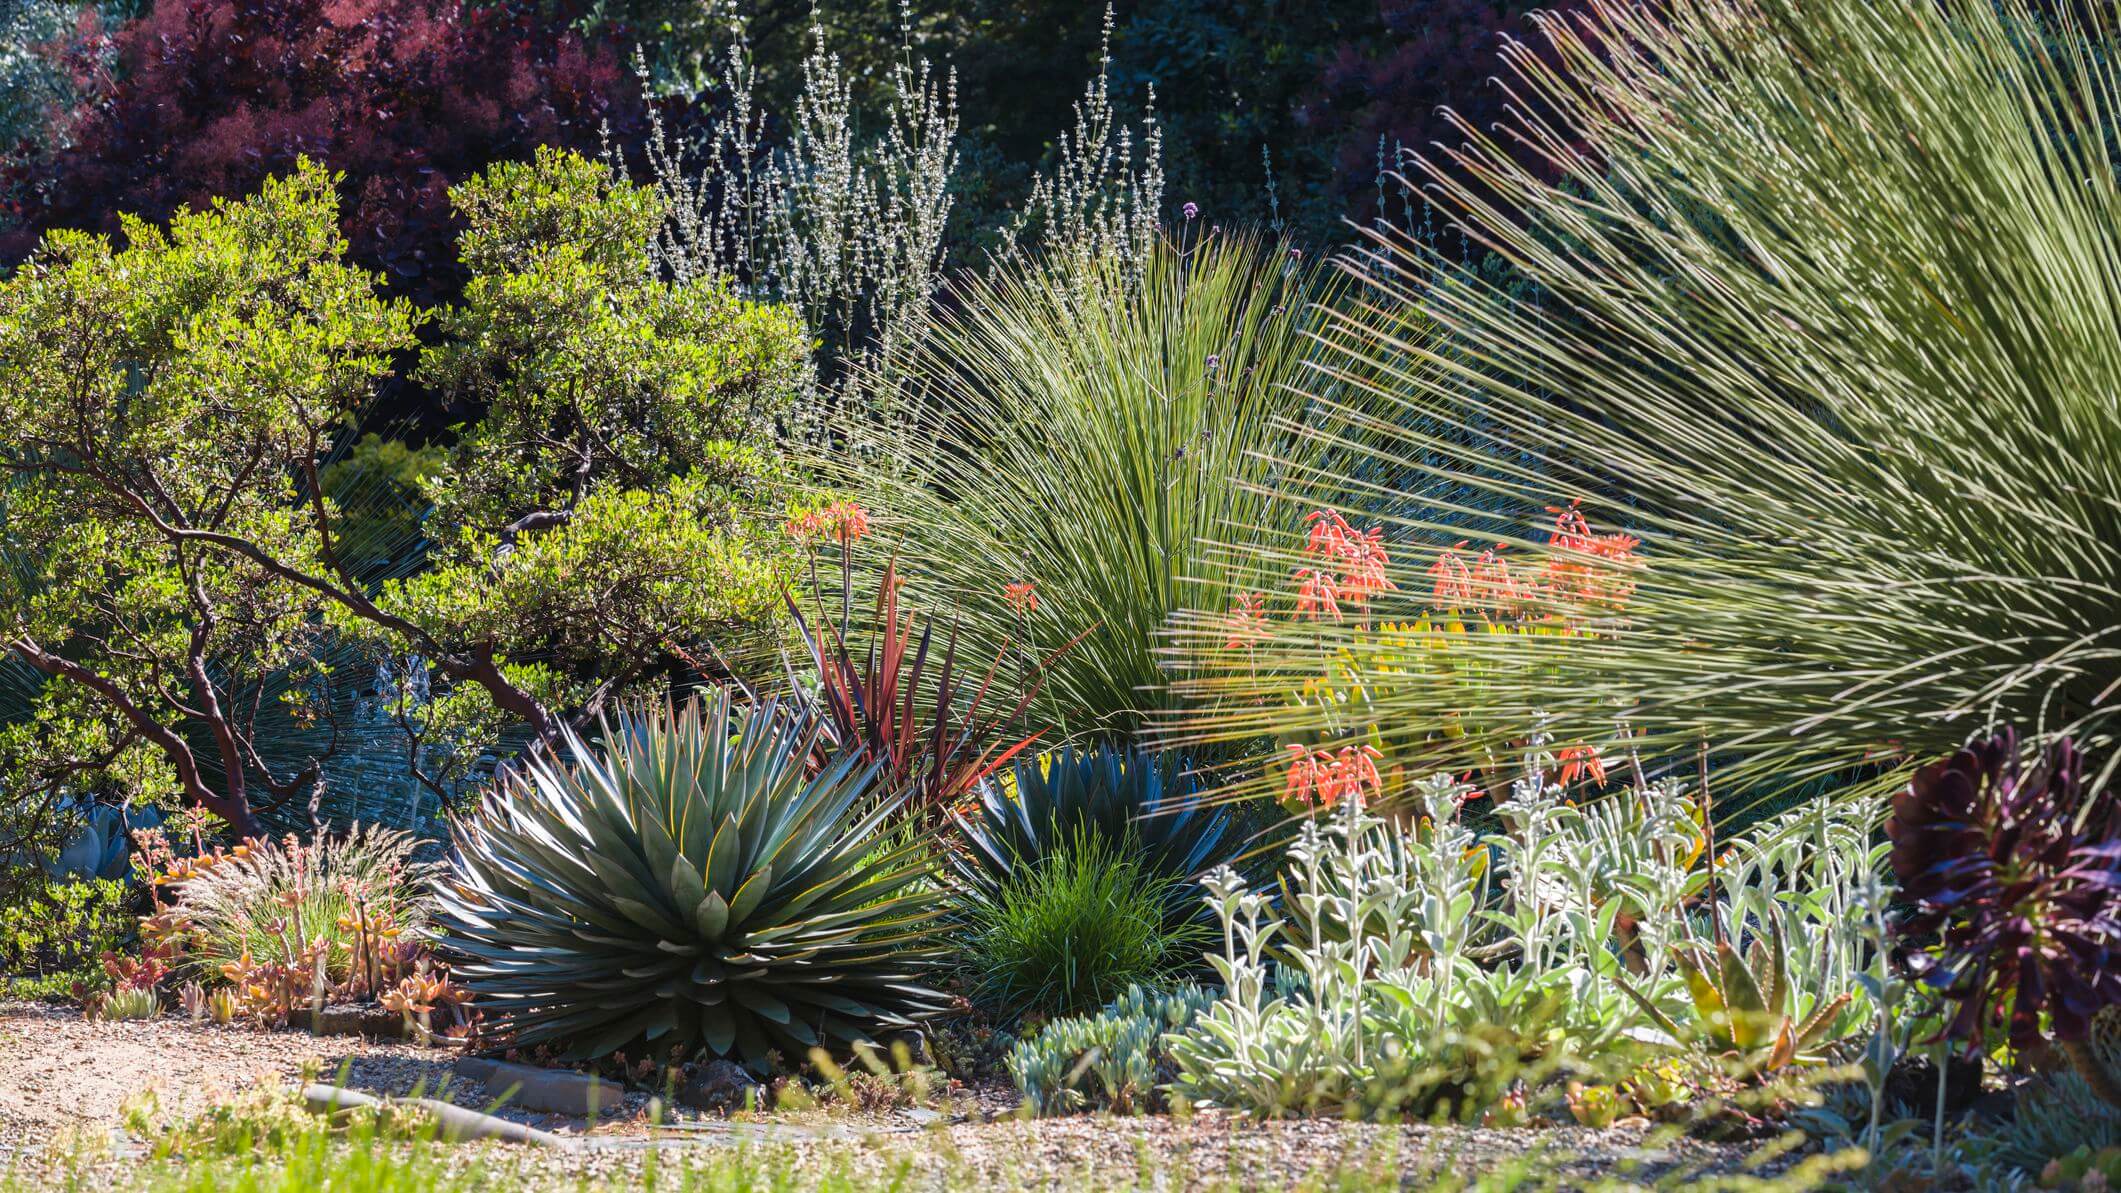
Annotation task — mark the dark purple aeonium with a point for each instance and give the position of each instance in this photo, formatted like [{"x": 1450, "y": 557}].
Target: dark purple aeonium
[{"x": 2024, "y": 907}]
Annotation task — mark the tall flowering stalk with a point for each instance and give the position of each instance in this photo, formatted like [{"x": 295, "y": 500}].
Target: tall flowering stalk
[{"x": 1577, "y": 584}]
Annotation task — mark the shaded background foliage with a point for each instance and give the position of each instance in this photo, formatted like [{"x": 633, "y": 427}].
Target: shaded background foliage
[
  {"x": 199, "y": 98},
  {"x": 202, "y": 97}
]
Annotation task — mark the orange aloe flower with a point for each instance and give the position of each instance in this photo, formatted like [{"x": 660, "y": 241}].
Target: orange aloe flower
[
  {"x": 1577, "y": 762},
  {"x": 1316, "y": 594}
]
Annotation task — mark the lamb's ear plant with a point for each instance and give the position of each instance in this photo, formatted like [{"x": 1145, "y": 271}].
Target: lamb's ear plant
[{"x": 1818, "y": 298}]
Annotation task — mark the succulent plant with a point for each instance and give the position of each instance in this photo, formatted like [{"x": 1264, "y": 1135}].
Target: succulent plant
[
  {"x": 99, "y": 847},
  {"x": 1745, "y": 1006},
  {"x": 1109, "y": 792},
  {"x": 2015, "y": 871},
  {"x": 688, "y": 882},
  {"x": 129, "y": 1002},
  {"x": 1113, "y": 1060}
]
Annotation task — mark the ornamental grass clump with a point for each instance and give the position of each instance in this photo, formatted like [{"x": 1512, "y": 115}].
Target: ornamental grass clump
[
  {"x": 1094, "y": 431},
  {"x": 1075, "y": 927},
  {"x": 336, "y": 901},
  {"x": 1817, "y": 298},
  {"x": 687, "y": 881}
]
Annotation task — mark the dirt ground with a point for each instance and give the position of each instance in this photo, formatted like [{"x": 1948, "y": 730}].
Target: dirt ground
[
  {"x": 61, "y": 1075},
  {"x": 59, "y": 1070}
]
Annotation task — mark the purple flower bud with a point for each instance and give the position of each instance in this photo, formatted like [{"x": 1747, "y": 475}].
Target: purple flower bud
[{"x": 1191, "y": 210}]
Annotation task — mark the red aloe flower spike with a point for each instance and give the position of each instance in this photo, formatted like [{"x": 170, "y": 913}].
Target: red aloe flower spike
[{"x": 1316, "y": 594}]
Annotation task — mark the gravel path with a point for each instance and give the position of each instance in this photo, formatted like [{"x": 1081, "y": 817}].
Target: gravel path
[{"x": 60, "y": 1073}]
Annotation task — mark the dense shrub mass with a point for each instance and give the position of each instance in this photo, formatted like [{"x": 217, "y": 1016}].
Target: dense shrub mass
[
  {"x": 407, "y": 97},
  {"x": 1382, "y": 94}
]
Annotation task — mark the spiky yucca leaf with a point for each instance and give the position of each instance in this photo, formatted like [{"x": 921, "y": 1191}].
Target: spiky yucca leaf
[
  {"x": 1096, "y": 433},
  {"x": 683, "y": 882},
  {"x": 1827, "y": 309}
]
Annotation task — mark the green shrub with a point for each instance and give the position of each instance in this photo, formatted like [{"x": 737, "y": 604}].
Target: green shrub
[
  {"x": 1113, "y": 1060},
  {"x": 686, "y": 882},
  {"x": 1074, "y": 929},
  {"x": 58, "y": 930}
]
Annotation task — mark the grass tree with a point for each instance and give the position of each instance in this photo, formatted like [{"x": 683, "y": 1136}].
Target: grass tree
[
  {"x": 174, "y": 545},
  {"x": 1824, "y": 307}
]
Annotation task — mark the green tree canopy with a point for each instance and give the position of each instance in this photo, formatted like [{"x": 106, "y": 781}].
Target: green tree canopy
[
  {"x": 170, "y": 407},
  {"x": 165, "y": 407}
]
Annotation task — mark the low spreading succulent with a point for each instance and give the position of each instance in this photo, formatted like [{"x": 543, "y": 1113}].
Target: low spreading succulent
[
  {"x": 1113, "y": 1060},
  {"x": 2015, "y": 872},
  {"x": 687, "y": 881},
  {"x": 418, "y": 995},
  {"x": 1745, "y": 1006},
  {"x": 127, "y": 1002}
]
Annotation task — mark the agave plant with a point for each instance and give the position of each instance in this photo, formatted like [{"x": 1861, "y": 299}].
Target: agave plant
[
  {"x": 2016, "y": 871},
  {"x": 1148, "y": 798},
  {"x": 1744, "y": 1005},
  {"x": 1823, "y": 308},
  {"x": 687, "y": 881}
]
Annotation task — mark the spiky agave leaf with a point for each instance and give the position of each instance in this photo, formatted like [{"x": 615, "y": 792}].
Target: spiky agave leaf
[
  {"x": 1826, "y": 308},
  {"x": 684, "y": 882},
  {"x": 1150, "y": 799}
]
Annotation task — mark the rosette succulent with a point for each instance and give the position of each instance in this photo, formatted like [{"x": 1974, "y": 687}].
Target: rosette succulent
[
  {"x": 2015, "y": 871},
  {"x": 1116, "y": 794},
  {"x": 686, "y": 881}
]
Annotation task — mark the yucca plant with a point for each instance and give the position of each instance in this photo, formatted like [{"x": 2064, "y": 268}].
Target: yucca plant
[
  {"x": 1092, "y": 431},
  {"x": 1151, "y": 800},
  {"x": 685, "y": 882},
  {"x": 1825, "y": 308}
]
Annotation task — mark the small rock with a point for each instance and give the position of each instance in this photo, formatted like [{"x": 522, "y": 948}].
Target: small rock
[
  {"x": 547, "y": 1091},
  {"x": 915, "y": 1044},
  {"x": 374, "y": 1023},
  {"x": 720, "y": 1086},
  {"x": 1913, "y": 1082}
]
